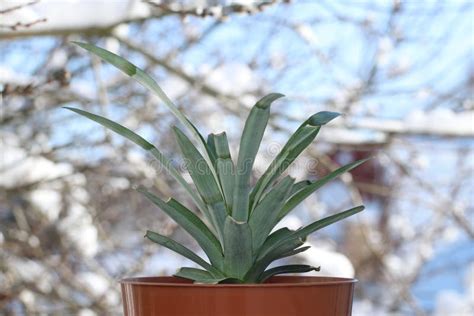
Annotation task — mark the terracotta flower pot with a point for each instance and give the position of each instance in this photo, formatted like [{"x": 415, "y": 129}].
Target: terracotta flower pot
[{"x": 281, "y": 295}]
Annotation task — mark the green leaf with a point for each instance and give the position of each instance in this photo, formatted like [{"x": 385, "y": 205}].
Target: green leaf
[
  {"x": 311, "y": 228},
  {"x": 237, "y": 248},
  {"x": 192, "y": 224},
  {"x": 322, "y": 118},
  {"x": 265, "y": 214},
  {"x": 296, "y": 144},
  {"x": 249, "y": 144},
  {"x": 140, "y": 141},
  {"x": 199, "y": 276},
  {"x": 282, "y": 161},
  {"x": 211, "y": 156},
  {"x": 148, "y": 82},
  {"x": 211, "y": 145},
  {"x": 199, "y": 170},
  {"x": 291, "y": 268},
  {"x": 180, "y": 249},
  {"x": 283, "y": 244},
  {"x": 298, "y": 197},
  {"x": 225, "y": 168},
  {"x": 294, "y": 252},
  {"x": 272, "y": 252},
  {"x": 205, "y": 183},
  {"x": 298, "y": 186},
  {"x": 286, "y": 242},
  {"x": 273, "y": 239},
  {"x": 113, "y": 126},
  {"x": 280, "y": 249},
  {"x": 136, "y": 73}
]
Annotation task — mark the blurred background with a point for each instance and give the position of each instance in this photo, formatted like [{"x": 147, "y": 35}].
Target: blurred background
[{"x": 402, "y": 72}]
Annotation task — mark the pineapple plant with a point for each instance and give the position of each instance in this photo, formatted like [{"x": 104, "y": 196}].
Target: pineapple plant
[{"x": 236, "y": 226}]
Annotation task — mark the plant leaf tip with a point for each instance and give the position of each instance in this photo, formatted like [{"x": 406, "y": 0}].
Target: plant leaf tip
[
  {"x": 81, "y": 44},
  {"x": 266, "y": 101},
  {"x": 139, "y": 188},
  {"x": 322, "y": 118}
]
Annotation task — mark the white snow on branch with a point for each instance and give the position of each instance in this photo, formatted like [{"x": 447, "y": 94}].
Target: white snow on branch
[
  {"x": 449, "y": 302},
  {"x": 8, "y": 75},
  {"x": 439, "y": 122},
  {"x": 72, "y": 14},
  {"x": 339, "y": 135},
  {"x": 232, "y": 79},
  {"x": 331, "y": 262},
  {"x": 18, "y": 168},
  {"x": 367, "y": 130}
]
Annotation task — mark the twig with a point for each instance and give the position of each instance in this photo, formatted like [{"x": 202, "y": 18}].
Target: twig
[
  {"x": 17, "y": 25},
  {"x": 219, "y": 11},
  {"x": 18, "y": 7}
]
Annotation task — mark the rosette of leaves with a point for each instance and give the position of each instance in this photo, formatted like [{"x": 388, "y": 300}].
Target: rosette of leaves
[{"x": 236, "y": 226}]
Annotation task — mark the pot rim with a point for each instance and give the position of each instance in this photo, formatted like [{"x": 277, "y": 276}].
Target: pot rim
[{"x": 316, "y": 281}]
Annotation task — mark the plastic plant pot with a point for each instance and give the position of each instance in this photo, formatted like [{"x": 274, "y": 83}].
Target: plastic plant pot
[{"x": 280, "y": 295}]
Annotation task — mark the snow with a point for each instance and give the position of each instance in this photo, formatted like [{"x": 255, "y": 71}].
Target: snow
[
  {"x": 321, "y": 254},
  {"x": 48, "y": 202},
  {"x": 423, "y": 94},
  {"x": 367, "y": 130},
  {"x": 174, "y": 87},
  {"x": 402, "y": 225},
  {"x": 451, "y": 234},
  {"x": 385, "y": 48},
  {"x": 99, "y": 286},
  {"x": 17, "y": 168},
  {"x": 232, "y": 79},
  {"x": 469, "y": 281},
  {"x": 27, "y": 297},
  {"x": 366, "y": 307},
  {"x": 449, "y": 302},
  {"x": 331, "y": 262},
  {"x": 400, "y": 66},
  {"x": 165, "y": 262},
  {"x": 307, "y": 33},
  {"x": 278, "y": 60},
  {"x": 290, "y": 221},
  {"x": 95, "y": 283},
  {"x": 8, "y": 75},
  {"x": 79, "y": 228},
  {"x": 31, "y": 271},
  {"x": 440, "y": 121},
  {"x": 118, "y": 183},
  {"x": 352, "y": 136},
  {"x": 59, "y": 58},
  {"x": 399, "y": 266},
  {"x": 147, "y": 167},
  {"x": 73, "y": 14},
  {"x": 86, "y": 312}
]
